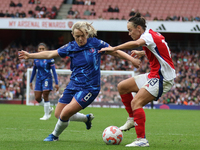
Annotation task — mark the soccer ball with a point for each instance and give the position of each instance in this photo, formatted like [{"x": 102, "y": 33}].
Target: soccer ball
[{"x": 112, "y": 135}]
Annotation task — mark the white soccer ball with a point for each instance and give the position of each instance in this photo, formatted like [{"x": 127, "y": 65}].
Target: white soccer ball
[{"x": 112, "y": 135}]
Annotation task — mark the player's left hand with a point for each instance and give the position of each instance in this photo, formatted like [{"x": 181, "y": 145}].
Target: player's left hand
[{"x": 57, "y": 87}]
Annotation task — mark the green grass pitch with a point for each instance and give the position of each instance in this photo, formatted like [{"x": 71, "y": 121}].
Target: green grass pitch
[{"x": 21, "y": 129}]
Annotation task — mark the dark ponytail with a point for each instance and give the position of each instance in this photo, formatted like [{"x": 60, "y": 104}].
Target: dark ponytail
[{"x": 137, "y": 19}]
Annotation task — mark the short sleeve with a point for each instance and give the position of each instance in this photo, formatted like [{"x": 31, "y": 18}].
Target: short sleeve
[
  {"x": 52, "y": 61},
  {"x": 100, "y": 43},
  {"x": 64, "y": 50},
  {"x": 148, "y": 38}
]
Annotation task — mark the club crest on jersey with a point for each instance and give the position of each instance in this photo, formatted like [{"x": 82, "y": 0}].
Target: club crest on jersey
[
  {"x": 91, "y": 50},
  {"x": 44, "y": 61}
]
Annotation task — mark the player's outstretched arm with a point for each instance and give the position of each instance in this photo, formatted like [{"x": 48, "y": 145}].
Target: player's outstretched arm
[
  {"x": 123, "y": 55},
  {"x": 40, "y": 55},
  {"x": 125, "y": 46}
]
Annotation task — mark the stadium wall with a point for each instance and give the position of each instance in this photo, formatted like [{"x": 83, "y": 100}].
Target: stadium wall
[{"x": 100, "y": 25}]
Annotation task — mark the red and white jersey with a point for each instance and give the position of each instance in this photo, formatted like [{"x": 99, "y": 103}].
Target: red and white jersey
[{"x": 159, "y": 56}]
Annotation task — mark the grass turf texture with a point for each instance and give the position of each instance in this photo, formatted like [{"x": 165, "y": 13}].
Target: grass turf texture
[{"x": 21, "y": 129}]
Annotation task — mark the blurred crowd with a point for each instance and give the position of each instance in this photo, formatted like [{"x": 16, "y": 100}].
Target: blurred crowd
[
  {"x": 186, "y": 90},
  {"x": 40, "y": 10}
]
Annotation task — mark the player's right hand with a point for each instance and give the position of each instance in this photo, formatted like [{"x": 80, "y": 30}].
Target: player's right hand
[{"x": 23, "y": 54}]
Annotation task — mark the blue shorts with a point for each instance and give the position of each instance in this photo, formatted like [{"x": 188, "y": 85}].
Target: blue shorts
[
  {"x": 84, "y": 98},
  {"x": 44, "y": 85}
]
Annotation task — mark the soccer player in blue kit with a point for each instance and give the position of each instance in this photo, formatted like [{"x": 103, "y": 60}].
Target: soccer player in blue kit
[
  {"x": 84, "y": 85},
  {"x": 43, "y": 84}
]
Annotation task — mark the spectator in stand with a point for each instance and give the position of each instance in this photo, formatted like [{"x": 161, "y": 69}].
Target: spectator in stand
[
  {"x": 81, "y": 2},
  {"x": 70, "y": 12},
  {"x": 22, "y": 15},
  {"x": 53, "y": 15},
  {"x": 30, "y": 12},
  {"x": 31, "y": 2},
  {"x": 37, "y": 2},
  {"x": 100, "y": 17},
  {"x": 123, "y": 18},
  {"x": 76, "y": 14},
  {"x": 8, "y": 94},
  {"x": 37, "y": 8},
  {"x": 17, "y": 14},
  {"x": 87, "y": 2},
  {"x": 93, "y": 2},
  {"x": 168, "y": 18},
  {"x": 116, "y": 9},
  {"x": 54, "y": 8},
  {"x": 12, "y": 4},
  {"x": 155, "y": 19},
  {"x": 87, "y": 12},
  {"x": 75, "y": 2},
  {"x": 110, "y": 9},
  {"x": 132, "y": 13},
  {"x": 43, "y": 8},
  {"x": 7, "y": 14},
  {"x": 19, "y": 4},
  {"x": 92, "y": 13},
  {"x": 2, "y": 14},
  {"x": 12, "y": 15},
  {"x": 147, "y": 14}
]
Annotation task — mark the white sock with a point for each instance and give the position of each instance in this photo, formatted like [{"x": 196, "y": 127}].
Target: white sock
[
  {"x": 46, "y": 108},
  {"x": 42, "y": 102},
  {"x": 78, "y": 117},
  {"x": 60, "y": 127}
]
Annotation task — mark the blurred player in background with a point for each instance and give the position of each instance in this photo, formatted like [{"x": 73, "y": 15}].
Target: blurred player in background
[
  {"x": 149, "y": 86},
  {"x": 84, "y": 85},
  {"x": 44, "y": 83}
]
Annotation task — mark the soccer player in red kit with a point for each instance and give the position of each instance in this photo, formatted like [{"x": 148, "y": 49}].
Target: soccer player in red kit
[{"x": 149, "y": 86}]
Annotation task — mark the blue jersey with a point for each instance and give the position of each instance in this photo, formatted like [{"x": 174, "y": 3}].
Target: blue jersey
[
  {"x": 85, "y": 63},
  {"x": 43, "y": 67}
]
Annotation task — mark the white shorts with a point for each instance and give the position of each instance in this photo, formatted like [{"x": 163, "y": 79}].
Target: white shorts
[{"x": 157, "y": 87}]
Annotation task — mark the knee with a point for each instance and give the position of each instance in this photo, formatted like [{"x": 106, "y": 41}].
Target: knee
[
  {"x": 134, "y": 104},
  {"x": 57, "y": 115},
  {"x": 121, "y": 88},
  {"x": 38, "y": 99}
]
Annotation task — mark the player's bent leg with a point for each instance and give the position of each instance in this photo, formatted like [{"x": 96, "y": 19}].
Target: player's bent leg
[
  {"x": 127, "y": 86},
  {"x": 139, "y": 142},
  {"x": 58, "y": 109}
]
